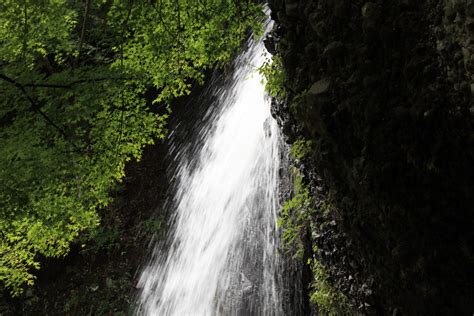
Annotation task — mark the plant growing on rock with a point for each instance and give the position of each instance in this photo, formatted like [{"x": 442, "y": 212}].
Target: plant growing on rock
[
  {"x": 295, "y": 216},
  {"x": 274, "y": 74},
  {"x": 298, "y": 224},
  {"x": 301, "y": 148},
  {"x": 329, "y": 301}
]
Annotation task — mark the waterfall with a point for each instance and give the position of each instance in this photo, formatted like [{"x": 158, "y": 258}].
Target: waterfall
[{"x": 221, "y": 256}]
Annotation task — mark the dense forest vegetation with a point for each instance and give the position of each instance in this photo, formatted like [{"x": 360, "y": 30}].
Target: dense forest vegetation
[{"x": 84, "y": 86}]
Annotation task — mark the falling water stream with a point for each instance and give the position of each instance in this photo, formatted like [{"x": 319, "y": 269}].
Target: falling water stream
[{"x": 221, "y": 256}]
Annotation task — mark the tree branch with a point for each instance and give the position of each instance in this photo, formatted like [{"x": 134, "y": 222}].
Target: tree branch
[
  {"x": 72, "y": 83},
  {"x": 25, "y": 29},
  {"x": 36, "y": 108},
  {"x": 83, "y": 30}
]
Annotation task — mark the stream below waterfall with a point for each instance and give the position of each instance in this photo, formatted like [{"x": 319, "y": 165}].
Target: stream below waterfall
[{"x": 220, "y": 256}]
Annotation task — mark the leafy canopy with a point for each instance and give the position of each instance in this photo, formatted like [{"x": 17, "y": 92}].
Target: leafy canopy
[{"x": 73, "y": 80}]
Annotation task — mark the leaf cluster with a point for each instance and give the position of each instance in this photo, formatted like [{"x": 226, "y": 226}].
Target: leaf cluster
[
  {"x": 274, "y": 73},
  {"x": 73, "y": 112},
  {"x": 328, "y": 300},
  {"x": 295, "y": 216},
  {"x": 301, "y": 148}
]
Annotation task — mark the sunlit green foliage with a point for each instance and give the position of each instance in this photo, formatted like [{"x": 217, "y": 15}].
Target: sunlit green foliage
[
  {"x": 274, "y": 74},
  {"x": 296, "y": 212},
  {"x": 296, "y": 221},
  {"x": 301, "y": 148},
  {"x": 295, "y": 216},
  {"x": 328, "y": 300},
  {"x": 73, "y": 80}
]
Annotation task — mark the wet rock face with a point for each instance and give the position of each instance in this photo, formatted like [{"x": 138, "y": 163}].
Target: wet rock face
[{"x": 384, "y": 90}]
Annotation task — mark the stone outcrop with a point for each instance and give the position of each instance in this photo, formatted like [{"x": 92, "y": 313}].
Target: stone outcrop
[{"x": 384, "y": 91}]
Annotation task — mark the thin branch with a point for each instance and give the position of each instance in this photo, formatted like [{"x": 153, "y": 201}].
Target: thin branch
[
  {"x": 35, "y": 107},
  {"x": 180, "y": 45},
  {"x": 127, "y": 18},
  {"x": 25, "y": 29},
  {"x": 83, "y": 29},
  {"x": 72, "y": 83},
  {"x": 124, "y": 27},
  {"x": 166, "y": 27}
]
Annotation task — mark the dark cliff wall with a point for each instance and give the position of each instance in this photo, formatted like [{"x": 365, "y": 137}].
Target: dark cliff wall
[{"x": 383, "y": 90}]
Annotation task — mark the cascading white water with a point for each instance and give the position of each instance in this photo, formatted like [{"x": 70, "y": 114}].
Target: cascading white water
[{"x": 221, "y": 257}]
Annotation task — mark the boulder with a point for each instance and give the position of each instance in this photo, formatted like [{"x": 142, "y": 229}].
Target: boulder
[{"x": 320, "y": 87}]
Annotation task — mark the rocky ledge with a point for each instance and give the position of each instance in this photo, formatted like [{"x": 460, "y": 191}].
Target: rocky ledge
[{"x": 383, "y": 90}]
